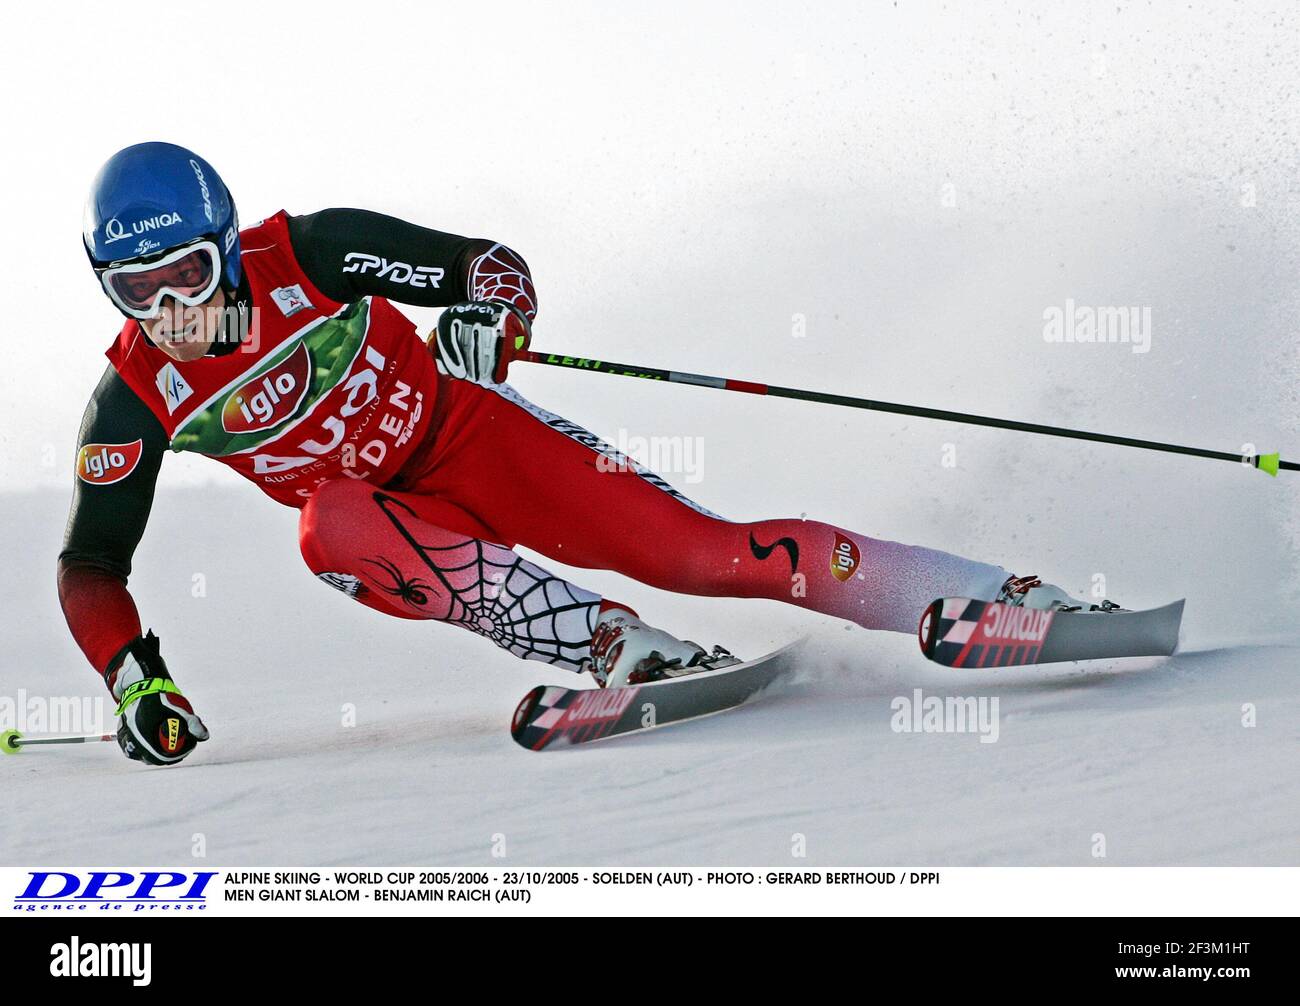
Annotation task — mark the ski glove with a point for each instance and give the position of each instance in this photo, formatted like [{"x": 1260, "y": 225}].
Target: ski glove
[
  {"x": 477, "y": 339},
  {"x": 157, "y": 725}
]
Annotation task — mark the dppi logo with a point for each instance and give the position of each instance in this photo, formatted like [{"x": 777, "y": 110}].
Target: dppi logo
[
  {"x": 104, "y": 464},
  {"x": 844, "y": 558},
  {"x": 270, "y": 398},
  {"x": 149, "y": 890}
]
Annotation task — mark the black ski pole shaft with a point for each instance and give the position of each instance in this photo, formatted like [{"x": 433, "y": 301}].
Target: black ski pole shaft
[{"x": 1268, "y": 463}]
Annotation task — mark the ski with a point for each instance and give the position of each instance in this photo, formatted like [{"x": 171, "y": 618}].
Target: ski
[
  {"x": 550, "y": 713},
  {"x": 960, "y": 632}
]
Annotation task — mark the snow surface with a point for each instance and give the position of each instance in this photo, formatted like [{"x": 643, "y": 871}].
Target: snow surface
[
  {"x": 878, "y": 200},
  {"x": 1150, "y": 753}
]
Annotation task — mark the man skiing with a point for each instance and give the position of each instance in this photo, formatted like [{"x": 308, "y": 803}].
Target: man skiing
[{"x": 277, "y": 351}]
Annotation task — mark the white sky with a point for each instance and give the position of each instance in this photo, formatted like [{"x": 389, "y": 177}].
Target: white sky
[{"x": 649, "y": 157}]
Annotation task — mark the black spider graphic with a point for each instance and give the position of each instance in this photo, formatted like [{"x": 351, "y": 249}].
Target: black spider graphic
[{"x": 412, "y": 592}]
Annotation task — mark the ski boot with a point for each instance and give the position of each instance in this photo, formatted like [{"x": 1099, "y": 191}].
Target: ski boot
[
  {"x": 627, "y": 651},
  {"x": 1031, "y": 592}
]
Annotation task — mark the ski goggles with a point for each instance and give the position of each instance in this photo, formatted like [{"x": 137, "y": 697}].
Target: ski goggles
[{"x": 189, "y": 273}]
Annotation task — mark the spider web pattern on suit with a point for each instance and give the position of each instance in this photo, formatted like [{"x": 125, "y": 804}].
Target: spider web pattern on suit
[
  {"x": 495, "y": 593},
  {"x": 500, "y": 274}
]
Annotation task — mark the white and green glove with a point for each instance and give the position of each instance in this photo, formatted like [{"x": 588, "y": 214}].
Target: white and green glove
[
  {"x": 477, "y": 339},
  {"x": 158, "y": 724}
]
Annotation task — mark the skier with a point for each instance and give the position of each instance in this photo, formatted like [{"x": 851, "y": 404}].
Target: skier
[{"x": 277, "y": 351}]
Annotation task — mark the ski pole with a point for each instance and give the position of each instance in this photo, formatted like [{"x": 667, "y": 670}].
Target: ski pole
[
  {"x": 12, "y": 742},
  {"x": 1268, "y": 463}
]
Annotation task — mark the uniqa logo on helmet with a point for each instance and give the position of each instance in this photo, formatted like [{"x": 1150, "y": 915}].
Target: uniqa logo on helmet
[{"x": 115, "y": 230}]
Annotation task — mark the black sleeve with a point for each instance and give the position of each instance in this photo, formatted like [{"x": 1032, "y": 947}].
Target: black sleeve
[
  {"x": 107, "y": 521},
  {"x": 348, "y": 254}
]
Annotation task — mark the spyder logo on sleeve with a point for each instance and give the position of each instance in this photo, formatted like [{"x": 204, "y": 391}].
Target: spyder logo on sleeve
[{"x": 421, "y": 276}]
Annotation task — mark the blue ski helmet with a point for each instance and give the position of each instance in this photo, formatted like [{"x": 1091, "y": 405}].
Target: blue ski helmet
[{"x": 153, "y": 197}]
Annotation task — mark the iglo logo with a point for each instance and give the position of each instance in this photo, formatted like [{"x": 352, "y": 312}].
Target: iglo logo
[
  {"x": 844, "y": 558},
  {"x": 271, "y": 397},
  {"x": 104, "y": 464}
]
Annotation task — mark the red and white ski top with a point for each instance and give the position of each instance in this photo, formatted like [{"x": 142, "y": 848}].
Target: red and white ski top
[{"x": 319, "y": 390}]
